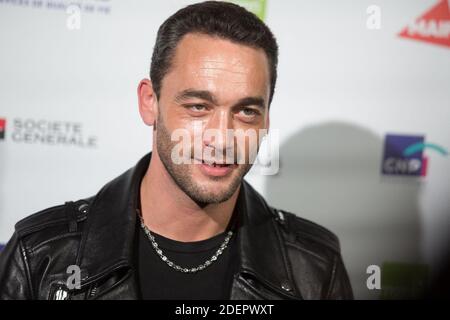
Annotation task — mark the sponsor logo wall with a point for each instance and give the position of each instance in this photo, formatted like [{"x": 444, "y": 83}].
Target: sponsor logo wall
[{"x": 362, "y": 114}]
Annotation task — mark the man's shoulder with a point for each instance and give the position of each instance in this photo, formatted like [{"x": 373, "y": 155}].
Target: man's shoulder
[
  {"x": 298, "y": 232},
  {"x": 60, "y": 217},
  {"x": 304, "y": 234},
  {"x": 315, "y": 258}
]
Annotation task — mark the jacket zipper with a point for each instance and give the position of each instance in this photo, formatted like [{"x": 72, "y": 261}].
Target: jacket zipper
[
  {"x": 93, "y": 291},
  {"x": 266, "y": 285}
]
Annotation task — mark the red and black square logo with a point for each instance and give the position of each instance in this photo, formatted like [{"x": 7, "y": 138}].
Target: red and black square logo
[{"x": 2, "y": 128}]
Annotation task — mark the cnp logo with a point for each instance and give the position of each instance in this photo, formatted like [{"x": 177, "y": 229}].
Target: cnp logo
[{"x": 403, "y": 155}]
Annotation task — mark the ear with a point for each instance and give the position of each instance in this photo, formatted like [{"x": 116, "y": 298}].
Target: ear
[{"x": 148, "y": 102}]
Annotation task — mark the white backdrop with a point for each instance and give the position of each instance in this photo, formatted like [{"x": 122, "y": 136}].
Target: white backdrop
[{"x": 342, "y": 87}]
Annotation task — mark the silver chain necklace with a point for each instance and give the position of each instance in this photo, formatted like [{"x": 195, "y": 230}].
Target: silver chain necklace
[{"x": 171, "y": 264}]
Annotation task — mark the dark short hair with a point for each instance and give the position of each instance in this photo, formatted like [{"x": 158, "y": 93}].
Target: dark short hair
[{"x": 215, "y": 18}]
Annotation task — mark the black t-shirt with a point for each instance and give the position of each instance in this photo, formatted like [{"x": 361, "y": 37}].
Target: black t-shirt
[{"x": 158, "y": 280}]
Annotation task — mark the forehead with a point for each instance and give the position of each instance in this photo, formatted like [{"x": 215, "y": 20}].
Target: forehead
[{"x": 225, "y": 68}]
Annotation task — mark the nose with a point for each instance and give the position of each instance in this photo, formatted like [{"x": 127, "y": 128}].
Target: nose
[{"x": 218, "y": 132}]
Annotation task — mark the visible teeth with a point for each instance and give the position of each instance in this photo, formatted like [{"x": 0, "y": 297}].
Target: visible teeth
[{"x": 214, "y": 164}]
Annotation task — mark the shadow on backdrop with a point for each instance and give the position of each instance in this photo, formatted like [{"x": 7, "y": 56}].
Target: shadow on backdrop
[{"x": 330, "y": 174}]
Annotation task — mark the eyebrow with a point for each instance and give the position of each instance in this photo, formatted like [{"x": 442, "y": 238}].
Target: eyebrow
[
  {"x": 251, "y": 101},
  {"x": 200, "y": 94},
  {"x": 208, "y": 96}
]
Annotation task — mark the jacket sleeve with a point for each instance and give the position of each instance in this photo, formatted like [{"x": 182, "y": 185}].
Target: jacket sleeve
[
  {"x": 340, "y": 287},
  {"x": 14, "y": 271}
]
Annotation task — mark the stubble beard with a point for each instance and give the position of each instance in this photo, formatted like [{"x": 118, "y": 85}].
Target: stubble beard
[{"x": 182, "y": 174}]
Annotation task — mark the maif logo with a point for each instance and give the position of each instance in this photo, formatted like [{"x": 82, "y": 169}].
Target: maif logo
[
  {"x": 433, "y": 26},
  {"x": 2, "y": 128},
  {"x": 404, "y": 155}
]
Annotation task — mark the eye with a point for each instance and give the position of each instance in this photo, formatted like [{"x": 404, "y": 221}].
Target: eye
[
  {"x": 248, "y": 112},
  {"x": 197, "y": 107}
]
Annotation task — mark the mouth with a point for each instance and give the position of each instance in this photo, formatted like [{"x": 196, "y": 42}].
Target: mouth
[{"x": 212, "y": 168}]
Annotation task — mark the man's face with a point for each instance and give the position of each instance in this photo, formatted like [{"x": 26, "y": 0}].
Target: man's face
[{"x": 214, "y": 87}]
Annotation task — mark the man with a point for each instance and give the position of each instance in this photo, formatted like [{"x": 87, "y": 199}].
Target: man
[{"x": 183, "y": 224}]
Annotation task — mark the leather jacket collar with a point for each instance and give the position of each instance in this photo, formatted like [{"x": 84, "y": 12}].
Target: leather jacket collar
[{"x": 108, "y": 243}]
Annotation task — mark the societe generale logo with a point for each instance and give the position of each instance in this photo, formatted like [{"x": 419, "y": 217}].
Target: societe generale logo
[{"x": 2, "y": 128}]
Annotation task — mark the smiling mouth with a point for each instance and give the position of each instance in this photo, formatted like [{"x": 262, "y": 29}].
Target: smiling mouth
[
  {"x": 213, "y": 168},
  {"x": 215, "y": 164}
]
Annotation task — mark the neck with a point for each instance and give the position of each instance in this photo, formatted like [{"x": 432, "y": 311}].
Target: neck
[{"x": 168, "y": 211}]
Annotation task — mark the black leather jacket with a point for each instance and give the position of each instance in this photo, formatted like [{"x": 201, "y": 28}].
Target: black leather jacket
[{"x": 281, "y": 255}]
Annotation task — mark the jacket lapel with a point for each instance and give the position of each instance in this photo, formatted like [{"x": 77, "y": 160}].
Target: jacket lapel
[
  {"x": 108, "y": 244},
  {"x": 263, "y": 260}
]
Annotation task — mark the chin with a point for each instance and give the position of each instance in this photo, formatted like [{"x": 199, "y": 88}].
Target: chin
[{"x": 215, "y": 190}]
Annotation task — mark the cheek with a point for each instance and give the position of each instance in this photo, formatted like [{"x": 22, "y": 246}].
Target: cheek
[
  {"x": 246, "y": 148},
  {"x": 177, "y": 118}
]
